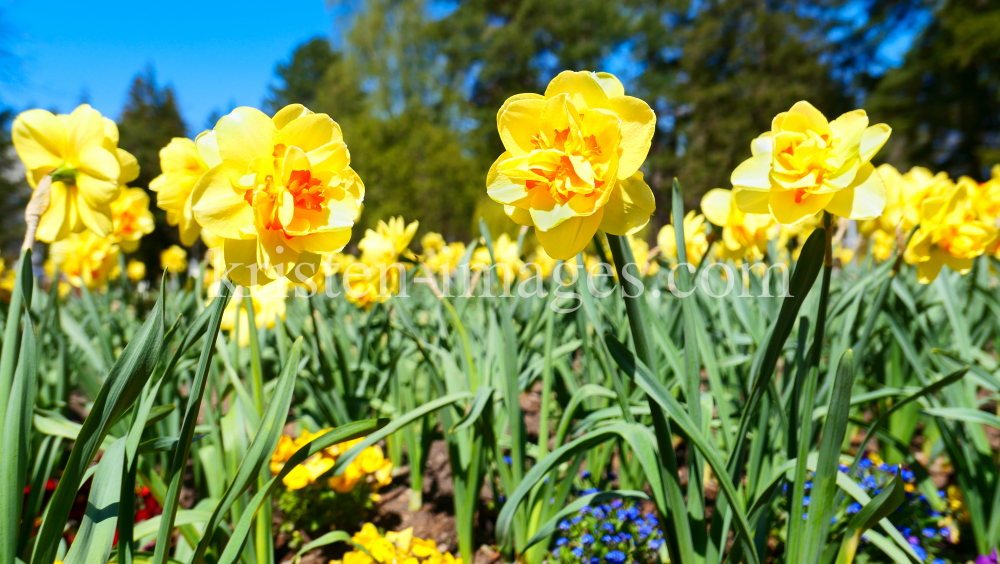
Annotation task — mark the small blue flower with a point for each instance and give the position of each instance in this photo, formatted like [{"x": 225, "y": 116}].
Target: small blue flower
[
  {"x": 615, "y": 557},
  {"x": 928, "y": 532},
  {"x": 609, "y": 527},
  {"x": 595, "y": 560},
  {"x": 576, "y": 519},
  {"x": 806, "y": 500},
  {"x": 886, "y": 468},
  {"x": 585, "y": 510},
  {"x": 564, "y": 525},
  {"x": 809, "y": 485},
  {"x": 625, "y": 536},
  {"x": 633, "y": 513},
  {"x": 622, "y": 515},
  {"x": 907, "y": 475},
  {"x": 561, "y": 541},
  {"x": 599, "y": 513},
  {"x": 945, "y": 532},
  {"x": 655, "y": 543},
  {"x": 920, "y": 552},
  {"x": 865, "y": 464},
  {"x": 503, "y": 498},
  {"x": 651, "y": 519},
  {"x": 645, "y": 531},
  {"x": 578, "y": 552},
  {"x": 555, "y": 552},
  {"x": 805, "y": 516},
  {"x": 914, "y": 541},
  {"x": 843, "y": 468},
  {"x": 587, "y": 539},
  {"x": 507, "y": 460},
  {"x": 612, "y": 476},
  {"x": 606, "y": 539},
  {"x": 585, "y": 475},
  {"x": 938, "y": 561},
  {"x": 616, "y": 503},
  {"x": 853, "y": 508}
]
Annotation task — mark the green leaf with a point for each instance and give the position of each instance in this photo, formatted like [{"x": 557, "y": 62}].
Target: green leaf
[{"x": 871, "y": 513}]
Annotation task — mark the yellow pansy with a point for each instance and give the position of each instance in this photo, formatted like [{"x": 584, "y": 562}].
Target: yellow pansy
[
  {"x": 806, "y": 164},
  {"x": 283, "y": 194},
  {"x": 395, "y": 548},
  {"x": 131, "y": 218},
  {"x": 80, "y": 151},
  {"x": 183, "y": 162},
  {"x": 136, "y": 270},
  {"x": 173, "y": 259},
  {"x": 508, "y": 258},
  {"x": 949, "y": 235},
  {"x": 84, "y": 259},
  {"x": 744, "y": 235},
  {"x": 572, "y": 159},
  {"x": 695, "y": 239}
]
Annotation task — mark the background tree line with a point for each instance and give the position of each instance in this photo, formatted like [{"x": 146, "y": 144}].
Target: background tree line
[{"x": 415, "y": 85}]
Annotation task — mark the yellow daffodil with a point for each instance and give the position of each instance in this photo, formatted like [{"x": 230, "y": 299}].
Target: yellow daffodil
[
  {"x": 131, "y": 218},
  {"x": 136, "y": 270},
  {"x": 447, "y": 259},
  {"x": 883, "y": 244},
  {"x": 695, "y": 239},
  {"x": 283, "y": 195},
  {"x": 432, "y": 243},
  {"x": 546, "y": 264},
  {"x": 84, "y": 259},
  {"x": 985, "y": 196},
  {"x": 80, "y": 151},
  {"x": 508, "y": 258},
  {"x": 183, "y": 163},
  {"x": 744, "y": 235},
  {"x": 377, "y": 276},
  {"x": 572, "y": 159},
  {"x": 806, "y": 164},
  {"x": 173, "y": 259},
  {"x": 948, "y": 235},
  {"x": 641, "y": 254}
]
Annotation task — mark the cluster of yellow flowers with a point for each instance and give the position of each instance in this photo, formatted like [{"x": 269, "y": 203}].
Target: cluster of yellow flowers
[
  {"x": 369, "y": 466},
  {"x": 374, "y": 276},
  {"x": 395, "y": 548}
]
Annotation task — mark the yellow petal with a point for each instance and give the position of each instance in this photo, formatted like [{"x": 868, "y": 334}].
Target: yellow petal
[
  {"x": 570, "y": 237},
  {"x": 787, "y": 211},
  {"x": 97, "y": 192},
  {"x": 128, "y": 165},
  {"x": 638, "y": 126},
  {"x": 928, "y": 270},
  {"x": 243, "y": 135},
  {"x": 752, "y": 200},
  {"x": 864, "y": 199},
  {"x": 98, "y": 162},
  {"x": 289, "y": 113},
  {"x": 849, "y": 128},
  {"x": 519, "y": 216},
  {"x": 241, "y": 262},
  {"x": 873, "y": 139},
  {"x": 307, "y": 132},
  {"x": 218, "y": 207},
  {"x": 753, "y": 173},
  {"x": 54, "y": 224},
  {"x": 629, "y": 207},
  {"x": 502, "y": 189},
  {"x": 764, "y": 143},
  {"x": 306, "y": 267},
  {"x": 582, "y": 87},
  {"x": 610, "y": 84},
  {"x": 515, "y": 98},
  {"x": 97, "y": 219},
  {"x": 519, "y": 123},
  {"x": 40, "y": 139},
  {"x": 208, "y": 148},
  {"x": 84, "y": 128},
  {"x": 802, "y": 117},
  {"x": 716, "y": 204}
]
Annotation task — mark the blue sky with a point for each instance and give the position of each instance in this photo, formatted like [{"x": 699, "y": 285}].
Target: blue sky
[{"x": 215, "y": 54}]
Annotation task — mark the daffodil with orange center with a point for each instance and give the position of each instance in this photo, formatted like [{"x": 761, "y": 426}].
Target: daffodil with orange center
[
  {"x": 744, "y": 235},
  {"x": 283, "y": 194},
  {"x": 807, "y": 164},
  {"x": 572, "y": 159},
  {"x": 183, "y": 162},
  {"x": 131, "y": 218},
  {"x": 80, "y": 151},
  {"x": 949, "y": 234}
]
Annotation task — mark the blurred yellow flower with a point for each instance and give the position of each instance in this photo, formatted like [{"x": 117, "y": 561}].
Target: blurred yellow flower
[
  {"x": 508, "y": 258},
  {"x": 572, "y": 161},
  {"x": 985, "y": 196},
  {"x": 447, "y": 258},
  {"x": 84, "y": 259},
  {"x": 81, "y": 152},
  {"x": 431, "y": 243},
  {"x": 283, "y": 195},
  {"x": 883, "y": 244},
  {"x": 376, "y": 278},
  {"x": 268, "y": 306},
  {"x": 173, "y": 259},
  {"x": 183, "y": 163},
  {"x": 640, "y": 252},
  {"x": 546, "y": 264},
  {"x": 131, "y": 218},
  {"x": 695, "y": 239},
  {"x": 806, "y": 164},
  {"x": 744, "y": 235},
  {"x": 136, "y": 270},
  {"x": 948, "y": 235}
]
